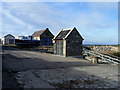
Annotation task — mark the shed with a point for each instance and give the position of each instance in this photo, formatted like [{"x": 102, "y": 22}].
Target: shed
[
  {"x": 9, "y": 39},
  {"x": 68, "y": 42},
  {"x": 44, "y": 36}
]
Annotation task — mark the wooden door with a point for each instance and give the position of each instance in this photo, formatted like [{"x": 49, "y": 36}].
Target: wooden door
[{"x": 59, "y": 47}]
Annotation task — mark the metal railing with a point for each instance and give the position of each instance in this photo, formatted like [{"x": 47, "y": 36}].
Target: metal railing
[{"x": 101, "y": 56}]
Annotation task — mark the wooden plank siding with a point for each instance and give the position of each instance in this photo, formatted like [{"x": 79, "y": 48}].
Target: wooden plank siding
[
  {"x": 46, "y": 41},
  {"x": 44, "y": 36},
  {"x": 68, "y": 42}
]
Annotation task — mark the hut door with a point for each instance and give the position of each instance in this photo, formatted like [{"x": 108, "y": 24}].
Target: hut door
[{"x": 59, "y": 47}]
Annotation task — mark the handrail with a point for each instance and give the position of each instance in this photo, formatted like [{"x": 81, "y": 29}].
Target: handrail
[{"x": 102, "y": 56}]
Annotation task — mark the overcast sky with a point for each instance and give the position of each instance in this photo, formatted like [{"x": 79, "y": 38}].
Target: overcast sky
[{"x": 96, "y": 22}]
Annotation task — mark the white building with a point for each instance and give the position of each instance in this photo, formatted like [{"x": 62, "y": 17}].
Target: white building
[
  {"x": 25, "y": 37},
  {"x": 8, "y": 39}
]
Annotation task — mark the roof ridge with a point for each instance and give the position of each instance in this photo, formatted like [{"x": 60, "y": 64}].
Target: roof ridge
[
  {"x": 36, "y": 33},
  {"x": 69, "y": 29},
  {"x": 68, "y": 33},
  {"x": 40, "y": 30}
]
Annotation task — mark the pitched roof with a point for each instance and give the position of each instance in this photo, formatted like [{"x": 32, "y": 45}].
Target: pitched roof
[
  {"x": 64, "y": 33},
  {"x": 9, "y": 35},
  {"x": 38, "y": 33}
]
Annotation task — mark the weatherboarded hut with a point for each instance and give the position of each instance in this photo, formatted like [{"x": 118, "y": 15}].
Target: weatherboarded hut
[
  {"x": 44, "y": 36},
  {"x": 68, "y": 42},
  {"x": 9, "y": 39}
]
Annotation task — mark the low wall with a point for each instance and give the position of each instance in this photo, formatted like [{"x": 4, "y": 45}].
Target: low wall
[{"x": 114, "y": 48}]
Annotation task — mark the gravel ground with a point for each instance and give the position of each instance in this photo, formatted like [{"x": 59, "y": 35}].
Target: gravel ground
[
  {"x": 8, "y": 80},
  {"x": 40, "y": 70},
  {"x": 64, "y": 78}
]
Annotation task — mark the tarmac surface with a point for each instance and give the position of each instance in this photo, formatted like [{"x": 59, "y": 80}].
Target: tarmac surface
[{"x": 30, "y": 69}]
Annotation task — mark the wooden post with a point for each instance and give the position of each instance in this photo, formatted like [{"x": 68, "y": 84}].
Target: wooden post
[{"x": 95, "y": 60}]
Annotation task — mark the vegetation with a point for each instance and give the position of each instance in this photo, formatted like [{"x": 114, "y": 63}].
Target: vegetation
[
  {"x": 116, "y": 54},
  {"x": 110, "y": 53}
]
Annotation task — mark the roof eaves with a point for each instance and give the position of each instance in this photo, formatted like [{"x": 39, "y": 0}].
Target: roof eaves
[{"x": 57, "y": 34}]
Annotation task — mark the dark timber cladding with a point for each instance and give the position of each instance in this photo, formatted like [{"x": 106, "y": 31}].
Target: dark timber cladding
[
  {"x": 68, "y": 42},
  {"x": 44, "y": 36}
]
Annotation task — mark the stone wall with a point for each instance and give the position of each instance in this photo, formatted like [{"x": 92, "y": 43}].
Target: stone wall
[{"x": 104, "y": 48}]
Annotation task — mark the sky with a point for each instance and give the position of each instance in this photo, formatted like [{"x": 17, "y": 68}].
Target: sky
[{"x": 97, "y": 22}]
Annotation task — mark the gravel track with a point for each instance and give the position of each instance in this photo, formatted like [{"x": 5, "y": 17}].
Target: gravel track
[{"x": 41, "y": 70}]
